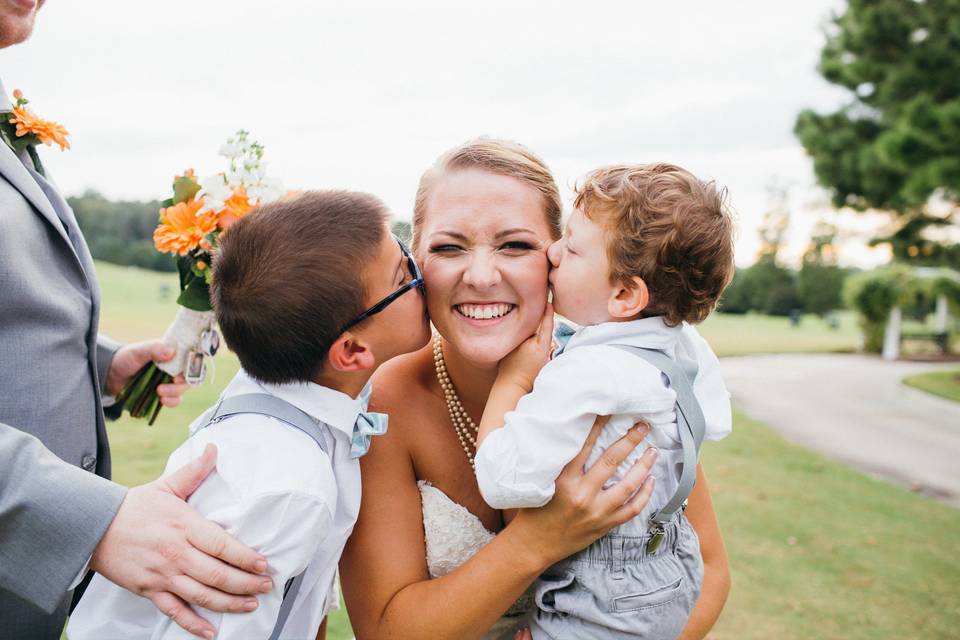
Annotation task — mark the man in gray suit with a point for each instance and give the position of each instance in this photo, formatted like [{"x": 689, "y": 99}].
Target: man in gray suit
[{"x": 58, "y": 510}]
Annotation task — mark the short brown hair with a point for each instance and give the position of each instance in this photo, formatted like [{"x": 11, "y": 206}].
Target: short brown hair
[
  {"x": 288, "y": 276},
  {"x": 500, "y": 157},
  {"x": 667, "y": 227}
]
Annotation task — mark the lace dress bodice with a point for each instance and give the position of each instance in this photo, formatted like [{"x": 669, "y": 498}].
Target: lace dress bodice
[{"x": 453, "y": 536}]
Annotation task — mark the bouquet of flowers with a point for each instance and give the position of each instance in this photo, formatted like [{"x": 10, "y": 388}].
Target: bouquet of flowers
[{"x": 190, "y": 226}]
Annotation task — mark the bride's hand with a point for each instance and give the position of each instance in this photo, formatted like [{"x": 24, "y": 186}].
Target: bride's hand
[
  {"x": 522, "y": 365},
  {"x": 581, "y": 509}
]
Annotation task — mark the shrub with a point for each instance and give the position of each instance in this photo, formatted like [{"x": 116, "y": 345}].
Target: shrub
[
  {"x": 874, "y": 294},
  {"x": 820, "y": 287}
]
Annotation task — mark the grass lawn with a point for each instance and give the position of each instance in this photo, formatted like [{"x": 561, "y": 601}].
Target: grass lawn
[
  {"x": 817, "y": 550},
  {"x": 945, "y": 384},
  {"x": 737, "y": 335}
]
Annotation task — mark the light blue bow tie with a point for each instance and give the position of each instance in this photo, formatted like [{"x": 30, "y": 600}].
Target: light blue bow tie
[
  {"x": 368, "y": 424},
  {"x": 562, "y": 333}
]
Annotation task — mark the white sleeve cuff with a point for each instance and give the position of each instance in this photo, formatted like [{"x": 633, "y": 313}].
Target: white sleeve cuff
[{"x": 80, "y": 576}]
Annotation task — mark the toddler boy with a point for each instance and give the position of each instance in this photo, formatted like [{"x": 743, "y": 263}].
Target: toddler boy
[{"x": 646, "y": 254}]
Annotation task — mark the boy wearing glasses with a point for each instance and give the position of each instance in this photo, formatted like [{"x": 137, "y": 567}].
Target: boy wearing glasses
[{"x": 312, "y": 294}]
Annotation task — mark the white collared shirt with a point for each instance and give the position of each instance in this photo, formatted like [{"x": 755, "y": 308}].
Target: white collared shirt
[
  {"x": 274, "y": 490},
  {"x": 518, "y": 464}
]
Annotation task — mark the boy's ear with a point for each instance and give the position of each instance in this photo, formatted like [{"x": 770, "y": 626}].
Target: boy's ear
[
  {"x": 629, "y": 299},
  {"x": 349, "y": 353}
]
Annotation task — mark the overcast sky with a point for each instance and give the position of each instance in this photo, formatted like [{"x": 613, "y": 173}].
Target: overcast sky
[{"x": 365, "y": 95}]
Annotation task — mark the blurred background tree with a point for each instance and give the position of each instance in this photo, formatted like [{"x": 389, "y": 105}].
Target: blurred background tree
[
  {"x": 766, "y": 286},
  {"x": 120, "y": 232},
  {"x": 896, "y": 145},
  {"x": 820, "y": 280}
]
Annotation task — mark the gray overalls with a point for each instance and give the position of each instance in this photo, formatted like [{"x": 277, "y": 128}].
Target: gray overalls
[{"x": 629, "y": 586}]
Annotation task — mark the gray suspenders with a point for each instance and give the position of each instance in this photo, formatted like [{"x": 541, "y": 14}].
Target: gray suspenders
[
  {"x": 269, "y": 405},
  {"x": 691, "y": 425}
]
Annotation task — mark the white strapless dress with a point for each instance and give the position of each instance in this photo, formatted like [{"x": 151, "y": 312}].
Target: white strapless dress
[{"x": 453, "y": 536}]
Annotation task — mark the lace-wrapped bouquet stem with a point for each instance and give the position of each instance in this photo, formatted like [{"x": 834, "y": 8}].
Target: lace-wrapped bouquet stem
[{"x": 191, "y": 223}]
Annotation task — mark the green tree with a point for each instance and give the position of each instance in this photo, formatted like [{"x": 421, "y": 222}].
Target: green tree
[
  {"x": 738, "y": 296},
  {"x": 774, "y": 288},
  {"x": 897, "y": 142},
  {"x": 820, "y": 280},
  {"x": 120, "y": 231},
  {"x": 766, "y": 286}
]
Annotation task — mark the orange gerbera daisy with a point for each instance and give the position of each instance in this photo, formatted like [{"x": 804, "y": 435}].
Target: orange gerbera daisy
[
  {"x": 181, "y": 229},
  {"x": 236, "y": 206},
  {"x": 46, "y": 131}
]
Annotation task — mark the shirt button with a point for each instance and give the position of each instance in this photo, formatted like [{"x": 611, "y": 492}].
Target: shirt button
[{"x": 89, "y": 463}]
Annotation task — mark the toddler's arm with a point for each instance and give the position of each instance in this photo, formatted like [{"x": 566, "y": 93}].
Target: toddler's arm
[
  {"x": 520, "y": 456},
  {"x": 516, "y": 375}
]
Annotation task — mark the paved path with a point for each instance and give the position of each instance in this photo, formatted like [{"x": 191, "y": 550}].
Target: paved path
[{"x": 853, "y": 408}]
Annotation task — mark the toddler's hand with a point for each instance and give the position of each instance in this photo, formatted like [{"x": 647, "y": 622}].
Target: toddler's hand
[{"x": 522, "y": 365}]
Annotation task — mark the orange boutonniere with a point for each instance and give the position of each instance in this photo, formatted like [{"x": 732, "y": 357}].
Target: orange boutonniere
[{"x": 22, "y": 130}]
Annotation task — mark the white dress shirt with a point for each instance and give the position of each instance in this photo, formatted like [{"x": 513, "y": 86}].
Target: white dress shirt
[
  {"x": 274, "y": 490},
  {"x": 518, "y": 464}
]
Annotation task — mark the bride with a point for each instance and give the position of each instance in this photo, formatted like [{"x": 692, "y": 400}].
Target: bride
[{"x": 428, "y": 558}]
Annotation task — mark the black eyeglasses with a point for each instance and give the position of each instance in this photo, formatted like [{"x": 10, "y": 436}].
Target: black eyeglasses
[{"x": 417, "y": 283}]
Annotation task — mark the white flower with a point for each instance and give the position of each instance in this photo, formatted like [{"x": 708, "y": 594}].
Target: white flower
[
  {"x": 267, "y": 190},
  {"x": 231, "y": 149},
  {"x": 236, "y": 176},
  {"x": 215, "y": 193}
]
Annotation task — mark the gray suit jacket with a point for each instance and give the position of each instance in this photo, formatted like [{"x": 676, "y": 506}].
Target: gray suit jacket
[{"x": 53, "y": 444}]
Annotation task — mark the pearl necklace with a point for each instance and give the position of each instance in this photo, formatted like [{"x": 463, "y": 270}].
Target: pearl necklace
[{"x": 467, "y": 430}]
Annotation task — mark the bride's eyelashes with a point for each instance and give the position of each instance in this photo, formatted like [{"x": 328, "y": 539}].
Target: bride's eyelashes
[
  {"x": 514, "y": 247},
  {"x": 517, "y": 246},
  {"x": 445, "y": 248}
]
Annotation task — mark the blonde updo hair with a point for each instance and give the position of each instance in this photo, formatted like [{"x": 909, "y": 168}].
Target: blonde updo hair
[{"x": 501, "y": 157}]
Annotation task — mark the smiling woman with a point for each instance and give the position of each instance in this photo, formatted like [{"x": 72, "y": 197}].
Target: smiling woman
[
  {"x": 484, "y": 261},
  {"x": 428, "y": 557}
]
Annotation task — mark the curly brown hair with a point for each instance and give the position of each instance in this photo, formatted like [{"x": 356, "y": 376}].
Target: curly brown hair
[{"x": 667, "y": 227}]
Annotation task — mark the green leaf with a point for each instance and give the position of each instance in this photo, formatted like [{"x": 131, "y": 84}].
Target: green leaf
[
  {"x": 185, "y": 269},
  {"x": 184, "y": 189},
  {"x": 196, "y": 295},
  {"x": 9, "y": 134}
]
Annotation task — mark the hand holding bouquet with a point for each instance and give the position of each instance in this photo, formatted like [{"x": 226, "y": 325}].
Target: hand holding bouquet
[{"x": 190, "y": 226}]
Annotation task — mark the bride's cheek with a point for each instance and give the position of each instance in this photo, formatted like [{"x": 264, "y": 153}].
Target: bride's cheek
[{"x": 533, "y": 277}]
